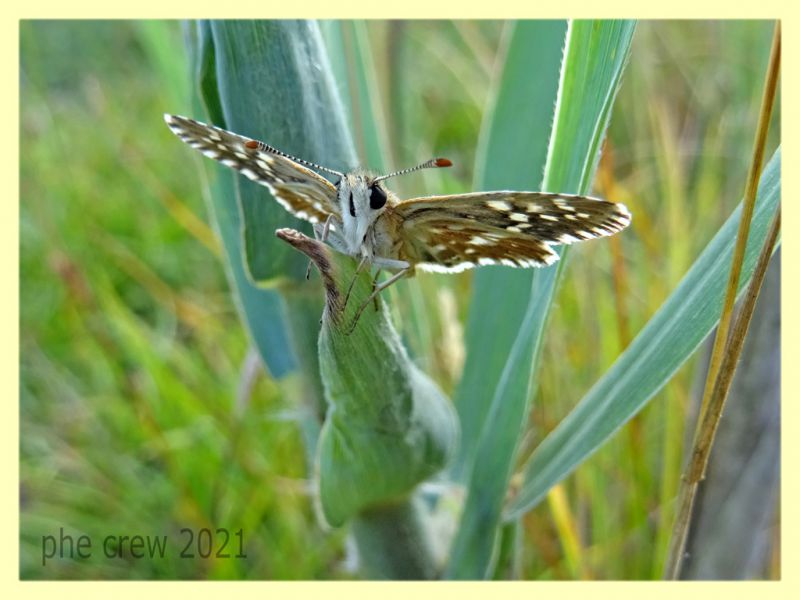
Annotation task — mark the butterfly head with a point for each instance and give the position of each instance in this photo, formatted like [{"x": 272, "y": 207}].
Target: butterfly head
[{"x": 362, "y": 199}]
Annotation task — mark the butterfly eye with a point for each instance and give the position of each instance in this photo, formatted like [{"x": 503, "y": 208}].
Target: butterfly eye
[
  {"x": 352, "y": 206},
  {"x": 377, "y": 197}
]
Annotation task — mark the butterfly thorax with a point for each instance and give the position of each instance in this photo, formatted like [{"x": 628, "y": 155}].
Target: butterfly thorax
[{"x": 362, "y": 201}]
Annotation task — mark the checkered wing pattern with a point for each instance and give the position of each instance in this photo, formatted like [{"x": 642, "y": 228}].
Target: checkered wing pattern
[
  {"x": 298, "y": 189},
  {"x": 453, "y": 233}
]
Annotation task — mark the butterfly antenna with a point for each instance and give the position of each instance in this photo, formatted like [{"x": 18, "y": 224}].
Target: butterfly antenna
[
  {"x": 433, "y": 163},
  {"x": 257, "y": 145}
]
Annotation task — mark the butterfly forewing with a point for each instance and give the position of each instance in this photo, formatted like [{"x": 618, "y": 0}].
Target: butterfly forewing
[
  {"x": 300, "y": 190},
  {"x": 452, "y": 233}
]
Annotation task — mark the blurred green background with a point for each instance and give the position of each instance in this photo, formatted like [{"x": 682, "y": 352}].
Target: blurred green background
[{"x": 142, "y": 409}]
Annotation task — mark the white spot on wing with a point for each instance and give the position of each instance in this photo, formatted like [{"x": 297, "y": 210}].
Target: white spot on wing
[
  {"x": 550, "y": 259},
  {"x": 550, "y": 217},
  {"x": 439, "y": 268},
  {"x": 499, "y": 205},
  {"x": 477, "y": 240},
  {"x": 519, "y": 217}
]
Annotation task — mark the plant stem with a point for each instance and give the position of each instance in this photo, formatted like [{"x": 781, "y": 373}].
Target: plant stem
[
  {"x": 710, "y": 420},
  {"x": 727, "y": 349},
  {"x": 759, "y": 146},
  {"x": 393, "y": 542}
]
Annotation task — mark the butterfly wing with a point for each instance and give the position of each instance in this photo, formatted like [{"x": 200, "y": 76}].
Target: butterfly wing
[
  {"x": 298, "y": 189},
  {"x": 453, "y": 233}
]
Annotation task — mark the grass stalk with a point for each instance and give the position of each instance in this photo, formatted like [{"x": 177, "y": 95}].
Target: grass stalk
[{"x": 728, "y": 348}]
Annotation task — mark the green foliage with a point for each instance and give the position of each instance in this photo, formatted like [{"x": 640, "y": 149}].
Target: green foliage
[
  {"x": 390, "y": 426},
  {"x": 594, "y": 57},
  {"x": 250, "y": 57},
  {"x": 141, "y": 410},
  {"x": 134, "y": 416},
  {"x": 664, "y": 344},
  {"x": 512, "y": 154},
  {"x": 239, "y": 62}
]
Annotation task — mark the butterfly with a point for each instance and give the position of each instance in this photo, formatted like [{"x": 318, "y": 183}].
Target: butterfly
[{"x": 358, "y": 216}]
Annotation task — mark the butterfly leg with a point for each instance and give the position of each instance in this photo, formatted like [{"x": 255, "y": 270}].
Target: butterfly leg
[
  {"x": 375, "y": 285},
  {"x": 360, "y": 266},
  {"x": 378, "y": 289}
]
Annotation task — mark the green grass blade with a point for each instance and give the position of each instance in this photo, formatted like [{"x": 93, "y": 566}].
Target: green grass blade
[
  {"x": 511, "y": 155},
  {"x": 594, "y": 58},
  {"x": 665, "y": 343},
  {"x": 596, "y": 55}
]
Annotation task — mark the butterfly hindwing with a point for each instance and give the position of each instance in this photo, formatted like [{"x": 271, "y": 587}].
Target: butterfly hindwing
[
  {"x": 299, "y": 190},
  {"x": 452, "y": 233},
  {"x": 450, "y": 247}
]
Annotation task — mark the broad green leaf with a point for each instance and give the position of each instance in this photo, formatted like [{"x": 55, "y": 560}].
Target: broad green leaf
[
  {"x": 260, "y": 309},
  {"x": 268, "y": 80},
  {"x": 665, "y": 343},
  {"x": 275, "y": 85},
  {"x": 594, "y": 58}
]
